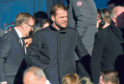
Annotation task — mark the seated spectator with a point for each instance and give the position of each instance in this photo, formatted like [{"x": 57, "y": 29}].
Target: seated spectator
[
  {"x": 34, "y": 75},
  {"x": 103, "y": 18},
  {"x": 109, "y": 77},
  {"x": 71, "y": 78}
]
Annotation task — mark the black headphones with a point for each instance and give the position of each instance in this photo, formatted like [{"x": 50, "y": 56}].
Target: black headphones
[{"x": 102, "y": 23}]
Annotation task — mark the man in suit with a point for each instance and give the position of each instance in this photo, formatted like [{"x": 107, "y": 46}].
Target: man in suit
[
  {"x": 12, "y": 62},
  {"x": 108, "y": 46},
  {"x": 53, "y": 48}
]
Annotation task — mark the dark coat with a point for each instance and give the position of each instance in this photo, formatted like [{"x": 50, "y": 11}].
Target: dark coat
[
  {"x": 107, "y": 48},
  {"x": 54, "y": 52},
  {"x": 11, "y": 57}
]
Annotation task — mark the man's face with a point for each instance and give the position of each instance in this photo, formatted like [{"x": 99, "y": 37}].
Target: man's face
[
  {"x": 28, "y": 27},
  {"x": 61, "y": 18}
]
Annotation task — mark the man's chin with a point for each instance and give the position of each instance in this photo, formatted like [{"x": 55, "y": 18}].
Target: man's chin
[{"x": 64, "y": 27}]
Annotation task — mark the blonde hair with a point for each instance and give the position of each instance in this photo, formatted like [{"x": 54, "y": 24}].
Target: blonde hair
[{"x": 71, "y": 78}]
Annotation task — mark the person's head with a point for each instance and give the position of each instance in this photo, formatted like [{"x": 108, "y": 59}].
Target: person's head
[
  {"x": 111, "y": 4},
  {"x": 59, "y": 16},
  {"x": 103, "y": 18},
  {"x": 40, "y": 15},
  {"x": 71, "y": 78},
  {"x": 109, "y": 77},
  {"x": 44, "y": 23},
  {"x": 118, "y": 16},
  {"x": 34, "y": 75},
  {"x": 24, "y": 22}
]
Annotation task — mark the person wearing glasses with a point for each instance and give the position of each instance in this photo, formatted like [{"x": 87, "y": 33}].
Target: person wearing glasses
[{"x": 12, "y": 64}]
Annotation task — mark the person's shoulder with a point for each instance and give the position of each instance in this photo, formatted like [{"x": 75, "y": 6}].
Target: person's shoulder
[
  {"x": 71, "y": 29},
  {"x": 1, "y": 32},
  {"x": 42, "y": 31}
]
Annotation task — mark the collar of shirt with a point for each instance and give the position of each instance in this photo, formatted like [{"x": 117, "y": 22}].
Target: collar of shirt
[{"x": 19, "y": 33}]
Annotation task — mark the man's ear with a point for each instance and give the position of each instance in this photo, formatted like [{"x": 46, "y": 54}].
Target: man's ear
[
  {"x": 53, "y": 18},
  {"x": 24, "y": 25}
]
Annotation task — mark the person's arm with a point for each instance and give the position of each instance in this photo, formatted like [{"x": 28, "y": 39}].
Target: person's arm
[
  {"x": 71, "y": 19},
  {"x": 81, "y": 14},
  {"x": 97, "y": 58},
  {"x": 4, "y": 52},
  {"x": 38, "y": 52},
  {"x": 80, "y": 48}
]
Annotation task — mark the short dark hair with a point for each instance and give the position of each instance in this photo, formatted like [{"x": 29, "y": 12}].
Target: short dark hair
[
  {"x": 22, "y": 17},
  {"x": 40, "y": 15},
  {"x": 110, "y": 76},
  {"x": 56, "y": 7}
]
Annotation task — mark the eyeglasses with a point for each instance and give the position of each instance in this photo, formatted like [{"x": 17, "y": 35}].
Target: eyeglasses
[{"x": 32, "y": 26}]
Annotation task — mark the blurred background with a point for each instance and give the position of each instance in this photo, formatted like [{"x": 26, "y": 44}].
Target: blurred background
[{"x": 10, "y": 8}]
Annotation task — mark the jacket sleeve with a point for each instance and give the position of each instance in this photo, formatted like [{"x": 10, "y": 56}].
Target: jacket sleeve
[
  {"x": 4, "y": 52},
  {"x": 97, "y": 58},
  {"x": 81, "y": 14},
  {"x": 71, "y": 21},
  {"x": 38, "y": 52}
]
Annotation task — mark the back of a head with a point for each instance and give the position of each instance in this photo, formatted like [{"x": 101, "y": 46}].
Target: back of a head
[
  {"x": 71, "y": 79},
  {"x": 117, "y": 11},
  {"x": 110, "y": 76},
  {"x": 112, "y": 3},
  {"x": 106, "y": 15},
  {"x": 117, "y": 16},
  {"x": 34, "y": 75},
  {"x": 40, "y": 15}
]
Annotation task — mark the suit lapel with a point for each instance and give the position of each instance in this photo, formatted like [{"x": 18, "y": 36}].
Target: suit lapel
[{"x": 18, "y": 40}]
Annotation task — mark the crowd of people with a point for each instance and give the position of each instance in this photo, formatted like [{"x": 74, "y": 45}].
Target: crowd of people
[{"x": 78, "y": 44}]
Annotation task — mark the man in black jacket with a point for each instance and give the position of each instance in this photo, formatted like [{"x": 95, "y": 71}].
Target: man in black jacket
[
  {"x": 53, "y": 48},
  {"x": 108, "y": 46}
]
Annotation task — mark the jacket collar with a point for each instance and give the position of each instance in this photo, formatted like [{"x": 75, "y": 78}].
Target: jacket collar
[
  {"x": 62, "y": 30},
  {"x": 116, "y": 30}
]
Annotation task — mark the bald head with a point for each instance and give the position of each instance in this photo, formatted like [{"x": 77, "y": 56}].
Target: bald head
[
  {"x": 117, "y": 11},
  {"x": 34, "y": 75},
  {"x": 118, "y": 16}
]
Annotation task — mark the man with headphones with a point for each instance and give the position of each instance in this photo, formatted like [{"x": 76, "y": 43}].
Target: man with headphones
[{"x": 108, "y": 52}]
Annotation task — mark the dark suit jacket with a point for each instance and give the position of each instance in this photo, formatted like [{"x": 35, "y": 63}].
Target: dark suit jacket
[
  {"x": 11, "y": 57},
  {"x": 107, "y": 48}
]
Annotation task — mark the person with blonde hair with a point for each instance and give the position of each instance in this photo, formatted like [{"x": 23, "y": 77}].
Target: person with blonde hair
[{"x": 71, "y": 78}]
